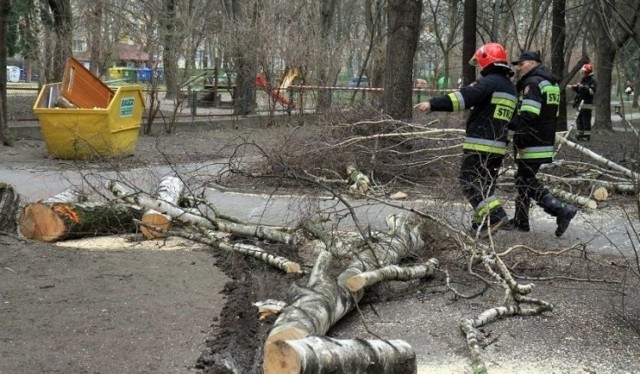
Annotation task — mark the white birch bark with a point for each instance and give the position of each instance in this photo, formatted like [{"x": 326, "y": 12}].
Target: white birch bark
[
  {"x": 212, "y": 239},
  {"x": 601, "y": 160},
  {"x": 325, "y": 355},
  {"x": 392, "y": 272},
  {"x": 193, "y": 217},
  {"x": 575, "y": 199},
  {"x": 169, "y": 190},
  {"x": 325, "y": 300}
]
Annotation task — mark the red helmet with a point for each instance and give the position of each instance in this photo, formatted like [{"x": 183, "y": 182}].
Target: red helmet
[
  {"x": 587, "y": 68},
  {"x": 488, "y": 54}
]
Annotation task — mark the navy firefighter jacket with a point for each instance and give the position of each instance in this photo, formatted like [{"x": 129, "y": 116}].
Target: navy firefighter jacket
[
  {"x": 492, "y": 100},
  {"x": 537, "y": 115}
]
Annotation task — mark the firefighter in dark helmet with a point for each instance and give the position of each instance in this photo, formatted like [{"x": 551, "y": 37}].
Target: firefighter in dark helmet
[
  {"x": 492, "y": 101},
  {"x": 535, "y": 126}
]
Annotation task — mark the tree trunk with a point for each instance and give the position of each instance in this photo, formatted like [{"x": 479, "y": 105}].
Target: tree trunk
[
  {"x": 50, "y": 222},
  {"x": 558, "y": 37},
  {"x": 244, "y": 96},
  {"x": 63, "y": 29},
  {"x": 327, "y": 12},
  {"x": 169, "y": 52},
  {"x": 403, "y": 30},
  {"x": 95, "y": 16},
  {"x": 325, "y": 300},
  {"x": 4, "y": 13},
  {"x": 326, "y": 355},
  {"x": 469, "y": 40},
  {"x": 9, "y": 204},
  {"x": 606, "y": 54}
]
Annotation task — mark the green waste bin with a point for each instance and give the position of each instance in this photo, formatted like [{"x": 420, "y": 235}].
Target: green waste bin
[{"x": 130, "y": 75}]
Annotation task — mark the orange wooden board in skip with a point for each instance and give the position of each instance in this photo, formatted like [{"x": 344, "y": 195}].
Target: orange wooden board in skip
[{"x": 82, "y": 88}]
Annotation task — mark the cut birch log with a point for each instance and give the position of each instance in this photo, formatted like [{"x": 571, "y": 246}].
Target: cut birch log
[
  {"x": 620, "y": 187},
  {"x": 600, "y": 194},
  {"x": 392, "y": 272},
  {"x": 325, "y": 299},
  {"x": 574, "y": 199},
  {"x": 170, "y": 190},
  {"x": 269, "y": 308},
  {"x": 9, "y": 206},
  {"x": 60, "y": 221},
  {"x": 327, "y": 355}
]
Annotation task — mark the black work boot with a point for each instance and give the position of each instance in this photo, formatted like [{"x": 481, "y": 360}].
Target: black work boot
[
  {"x": 520, "y": 220},
  {"x": 564, "y": 213},
  {"x": 496, "y": 220}
]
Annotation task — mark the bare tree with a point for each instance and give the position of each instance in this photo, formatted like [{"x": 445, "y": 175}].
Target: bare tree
[
  {"x": 94, "y": 17},
  {"x": 170, "y": 45},
  {"x": 403, "y": 31},
  {"x": 62, "y": 29},
  {"x": 446, "y": 33},
  {"x": 4, "y": 14},
  {"x": 327, "y": 14},
  {"x": 469, "y": 39},
  {"x": 615, "y": 24},
  {"x": 241, "y": 19},
  {"x": 558, "y": 37}
]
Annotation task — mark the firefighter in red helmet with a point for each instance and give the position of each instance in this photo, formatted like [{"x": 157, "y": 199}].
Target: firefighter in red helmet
[
  {"x": 492, "y": 101},
  {"x": 583, "y": 103}
]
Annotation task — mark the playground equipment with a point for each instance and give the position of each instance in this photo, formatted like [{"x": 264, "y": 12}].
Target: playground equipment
[{"x": 277, "y": 93}]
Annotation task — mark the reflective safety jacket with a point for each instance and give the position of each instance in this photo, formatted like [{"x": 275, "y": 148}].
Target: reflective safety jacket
[
  {"x": 537, "y": 115},
  {"x": 492, "y": 100},
  {"x": 585, "y": 91}
]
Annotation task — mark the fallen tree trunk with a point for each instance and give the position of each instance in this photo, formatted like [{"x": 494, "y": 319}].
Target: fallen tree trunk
[
  {"x": 325, "y": 299},
  {"x": 50, "y": 222},
  {"x": 193, "y": 217},
  {"x": 170, "y": 190},
  {"x": 9, "y": 205},
  {"x": 326, "y": 355}
]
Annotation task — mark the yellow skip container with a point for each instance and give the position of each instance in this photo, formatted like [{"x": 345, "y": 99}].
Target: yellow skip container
[{"x": 71, "y": 131}]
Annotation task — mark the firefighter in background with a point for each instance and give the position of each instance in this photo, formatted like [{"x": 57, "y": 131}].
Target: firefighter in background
[
  {"x": 535, "y": 130},
  {"x": 492, "y": 100},
  {"x": 585, "y": 90}
]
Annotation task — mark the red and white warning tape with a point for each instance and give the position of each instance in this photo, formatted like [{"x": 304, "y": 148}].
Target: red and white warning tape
[{"x": 372, "y": 89}]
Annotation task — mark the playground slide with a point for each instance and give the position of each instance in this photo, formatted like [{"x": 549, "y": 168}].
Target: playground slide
[{"x": 262, "y": 84}]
